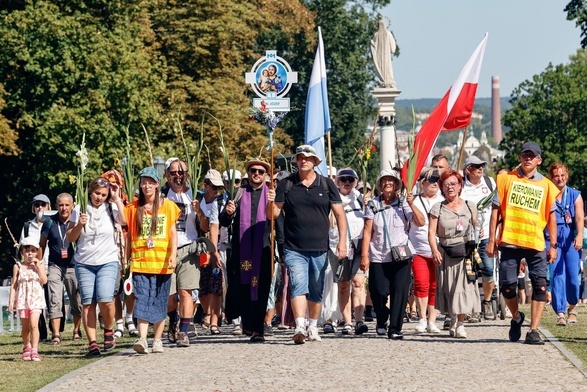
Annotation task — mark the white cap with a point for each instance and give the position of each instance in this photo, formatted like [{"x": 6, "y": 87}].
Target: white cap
[{"x": 234, "y": 173}]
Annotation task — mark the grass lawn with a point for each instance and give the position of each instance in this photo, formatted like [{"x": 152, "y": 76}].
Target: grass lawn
[
  {"x": 573, "y": 337},
  {"x": 19, "y": 375}
]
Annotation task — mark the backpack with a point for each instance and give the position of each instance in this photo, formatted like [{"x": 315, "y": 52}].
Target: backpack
[{"x": 488, "y": 182}]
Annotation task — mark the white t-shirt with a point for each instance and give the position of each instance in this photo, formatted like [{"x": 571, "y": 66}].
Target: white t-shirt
[
  {"x": 390, "y": 225},
  {"x": 419, "y": 234},
  {"x": 352, "y": 205},
  {"x": 186, "y": 223},
  {"x": 96, "y": 244},
  {"x": 475, "y": 193},
  {"x": 210, "y": 210},
  {"x": 35, "y": 231}
]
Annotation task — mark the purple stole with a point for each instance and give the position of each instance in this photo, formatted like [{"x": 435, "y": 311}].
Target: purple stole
[{"x": 251, "y": 239}]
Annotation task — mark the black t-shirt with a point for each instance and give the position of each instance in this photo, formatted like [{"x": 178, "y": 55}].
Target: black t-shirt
[
  {"x": 306, "y": 212},
  {"x": 54, "y": 230}
]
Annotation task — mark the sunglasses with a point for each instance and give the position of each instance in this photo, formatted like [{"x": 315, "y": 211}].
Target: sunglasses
[
  {"x": 176, "y": 172},
  {"x": 259, "y": 171},
  {"x": 38, "y": 204},
  {"x": 346, "y": 179},
  {"x": 433, "y": 180},
  {"x": 307, "y": 150},
  {"x": 475, "y": 166},
  {"x": 102, "y": 183}
]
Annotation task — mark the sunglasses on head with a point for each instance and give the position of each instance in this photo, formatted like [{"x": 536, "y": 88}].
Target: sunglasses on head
[
  {"x": 103, "y": 182},
  {"x": 38, "y": 204},
  {"x": 176, "y": 172},
  {"x": 346, "y": 179},
  {"x": 254, "y": 170},
  {"x": 307, "y": 150}
]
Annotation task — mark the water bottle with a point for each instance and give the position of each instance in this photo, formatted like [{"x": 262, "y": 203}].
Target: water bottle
[{"x": 216, "y": 271}]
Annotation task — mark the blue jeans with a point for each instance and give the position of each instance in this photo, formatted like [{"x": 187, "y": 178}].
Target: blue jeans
[
  {"x": 96, "y": 282},
  {"x": 306, "y": 273},
  {"x": 488, "y": 263}
]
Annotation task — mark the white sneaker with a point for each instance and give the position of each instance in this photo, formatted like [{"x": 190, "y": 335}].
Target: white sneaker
[
  {"x": 432, "y": 328},
  {"x": 421, "y": 327},
  {"x": 313, "y": 334},
  {"x": 460, "y": 332},
  {"x": 141, "y": 346},
  {"x": 157, "y": 346},
  {"x": 299, "y": 335}
]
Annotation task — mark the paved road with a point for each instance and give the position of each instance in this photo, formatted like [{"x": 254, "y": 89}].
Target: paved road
[{"x": 485, "y": 361}]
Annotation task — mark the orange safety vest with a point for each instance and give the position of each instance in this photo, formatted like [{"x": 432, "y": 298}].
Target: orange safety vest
[
  {"x": 525, "y": 207},
  {"x": 152, "y": 260}
]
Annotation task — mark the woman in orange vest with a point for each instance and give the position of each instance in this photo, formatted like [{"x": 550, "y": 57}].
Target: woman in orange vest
[{"x": 152, "y": 255}]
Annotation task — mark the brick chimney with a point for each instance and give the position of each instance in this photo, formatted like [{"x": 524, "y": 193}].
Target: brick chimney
[{"x": 495, "y": 110}]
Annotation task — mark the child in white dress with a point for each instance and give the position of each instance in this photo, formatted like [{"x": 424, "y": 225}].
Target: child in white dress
[{"x": 27, "y": 297}]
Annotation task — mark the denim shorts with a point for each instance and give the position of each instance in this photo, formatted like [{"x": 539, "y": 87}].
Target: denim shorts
[
  {"x": 96, "y": 282},
  {"x": 306, "y": 273}
]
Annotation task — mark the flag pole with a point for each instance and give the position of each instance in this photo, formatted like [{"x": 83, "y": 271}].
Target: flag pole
[
  {"x": 329, "y": 156},
  {"x": 462, "y": 148}
]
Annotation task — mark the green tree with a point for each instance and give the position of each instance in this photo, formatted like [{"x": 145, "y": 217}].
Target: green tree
[
  {"x": 577, "y": 10},
  {"x": 550, "y": 110}
]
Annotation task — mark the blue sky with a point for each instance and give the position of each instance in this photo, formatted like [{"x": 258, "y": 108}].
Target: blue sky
[{"x": 436, "y": 38}]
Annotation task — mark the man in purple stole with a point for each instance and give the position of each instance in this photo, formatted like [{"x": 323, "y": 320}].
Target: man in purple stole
[{"x": 249, "y": 267}]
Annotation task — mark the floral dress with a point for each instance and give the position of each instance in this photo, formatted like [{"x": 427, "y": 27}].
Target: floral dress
[{"x": 29, "y": 292}]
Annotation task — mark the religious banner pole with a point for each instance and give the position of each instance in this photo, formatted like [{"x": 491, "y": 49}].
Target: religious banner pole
[{"x": 271, "y": 78}]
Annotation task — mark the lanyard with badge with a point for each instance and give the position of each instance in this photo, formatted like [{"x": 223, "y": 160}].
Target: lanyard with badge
[
  {"x": 564, "y": 208},
  {"x": 64, "y": 254}
]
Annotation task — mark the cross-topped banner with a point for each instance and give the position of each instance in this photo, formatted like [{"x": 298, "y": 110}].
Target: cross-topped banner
[{"x": 271, "y": 78}]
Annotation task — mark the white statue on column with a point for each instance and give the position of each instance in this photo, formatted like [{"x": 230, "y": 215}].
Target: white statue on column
[{"x": 383, "y": 47}]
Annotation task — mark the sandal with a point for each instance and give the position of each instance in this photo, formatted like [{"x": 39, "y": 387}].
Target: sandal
[
  {"x": 118, "y": 333},
  {"x": 109, "y": 342},
  {"x": 347, "y": 329},
  {"x": 256, "y": 338},
  {"x": 93, "y": 349},
  {"x": 56, "y": 340},
  {"x": 132, "y": 330},
  {"x": 328, "y": 328},
  {"x": 77, "y": 335},
  {"x": 560, "y": 320},
  {"x": 214, "y": 330},
  {"x": 572, "y": 317}
]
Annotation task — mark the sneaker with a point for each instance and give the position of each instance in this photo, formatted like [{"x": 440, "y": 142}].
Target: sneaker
[
  {"x": 237, "y": 330},
  {"x": 432, "y": 328},
  {"x": 299, "y": 336},
  {"x": 395, "y": 335},
  {"x": 369, "y": 316},
  {"x": 361, "y": 328},
  {"x": 488, "y": 310},
  {"x": 182, "y": 340},
  {"x": 460, "y": 332},
  {"x": 313, "y": 334},
  {"x": 346, "y": 330},
  {"x": 516, "y": 328},
  {"x": 141, "y": 346},
  {"x": 157, "y": 346},
  {"x": 282, "y": 327},
  {"x": 26, "y": 353},
  {"x": 532, "y": 337},
  {"x": 35, "y": 357},
  {"x": 473, "y": 318},
  {"x": 452, "y": 329},
  {"x": 328, "y": 328},
  {"x": 421, "y": 327},
  {"x": 267, "y": 330},
  {"x": 381, "y": 330}
]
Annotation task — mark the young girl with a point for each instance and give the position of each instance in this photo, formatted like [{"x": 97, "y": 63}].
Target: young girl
[{"x": 26, "y": 295}]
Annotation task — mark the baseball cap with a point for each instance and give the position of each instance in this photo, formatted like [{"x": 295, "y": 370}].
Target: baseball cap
[
  {"x": 347, "y": 171},
  {"x": 474, "y": 160},
  {"x": 151, "y": 173},
  {"x": 235, "y": 174},
  {"x": 170, "y": 161},
  {"x": 30, "y": 241},
  {"x": 531, "y": 146},
  {"x": 42, "y": 198},
  {"x": 214, "y": 177}
]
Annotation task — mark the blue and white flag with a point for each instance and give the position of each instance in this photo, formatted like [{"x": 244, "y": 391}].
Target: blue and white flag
[{"x": 317, "y": 112}]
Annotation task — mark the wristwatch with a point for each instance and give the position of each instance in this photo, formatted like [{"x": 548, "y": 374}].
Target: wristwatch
[{"x": 555, "y": 245}]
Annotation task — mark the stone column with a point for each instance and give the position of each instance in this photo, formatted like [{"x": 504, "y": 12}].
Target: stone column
[{"x": 386, "y": 97}]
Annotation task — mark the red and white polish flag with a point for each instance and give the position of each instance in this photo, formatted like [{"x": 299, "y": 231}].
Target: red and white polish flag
[{"x": 452, "y": 112}]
